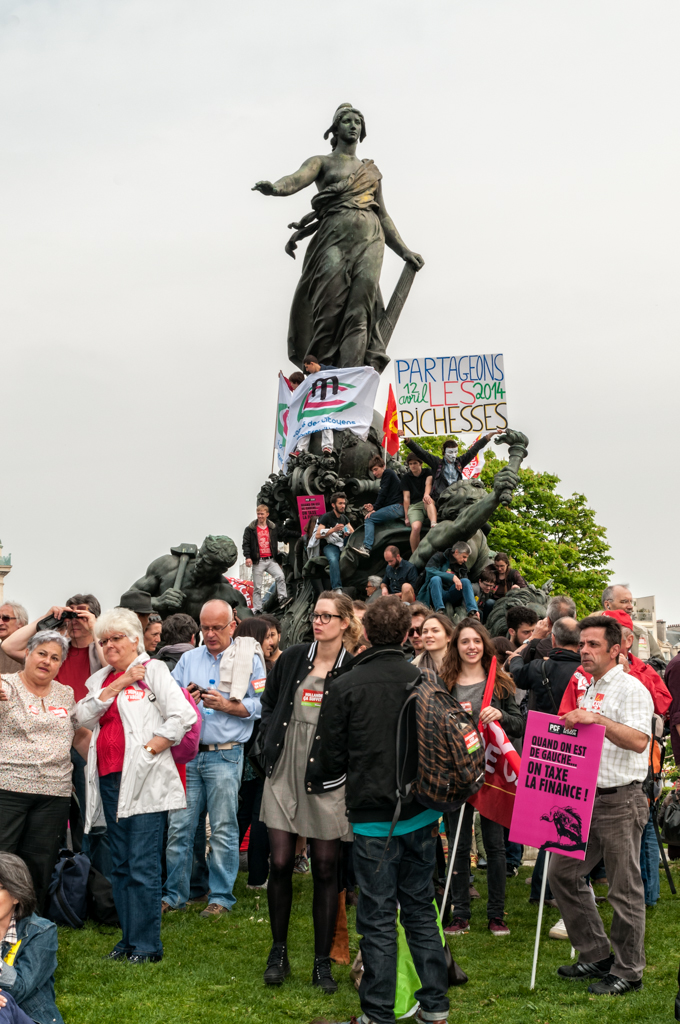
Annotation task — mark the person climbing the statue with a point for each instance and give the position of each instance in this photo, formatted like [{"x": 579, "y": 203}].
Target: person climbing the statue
[
  {"x": 387, "y": 506},
  {"x": 449, "y": 468}
]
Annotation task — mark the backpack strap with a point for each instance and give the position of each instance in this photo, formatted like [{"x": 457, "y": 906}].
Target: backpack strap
[
  {"x": 402, "y": 790},
  {"x": 546, "y": 683}
]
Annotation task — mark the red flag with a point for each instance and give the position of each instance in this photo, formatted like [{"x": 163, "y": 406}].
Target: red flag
[
  {"x": 390, "y": 425},
  {"x": 496, "y": 799},
  {"x": 576, "y": 687}
]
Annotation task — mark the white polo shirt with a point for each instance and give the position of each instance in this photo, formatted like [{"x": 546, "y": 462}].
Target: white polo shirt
[{"x": 622, "y": 698}]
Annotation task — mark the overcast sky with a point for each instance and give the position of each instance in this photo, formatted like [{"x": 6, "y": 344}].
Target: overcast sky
[{"x": 529, "y": 151}]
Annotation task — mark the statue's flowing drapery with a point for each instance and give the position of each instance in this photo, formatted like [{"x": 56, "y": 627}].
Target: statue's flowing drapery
[{"x": 337, "y": 303}]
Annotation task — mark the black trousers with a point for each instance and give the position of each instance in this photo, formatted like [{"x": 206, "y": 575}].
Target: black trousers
[
  {"x": 34, "y": 827},
  {"x": 250, "y": 796}
]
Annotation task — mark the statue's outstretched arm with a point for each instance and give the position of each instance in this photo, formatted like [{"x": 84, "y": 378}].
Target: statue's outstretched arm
[
  {"x": 392, "y": 237},
  {"x": 468, "y": 521},
  {"x": 291, "y": 183}
]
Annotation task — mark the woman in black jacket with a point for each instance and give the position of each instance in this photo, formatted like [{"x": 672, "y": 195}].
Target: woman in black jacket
[
  {"x": 297, "y": 798},
  {"x": 465, "y": 670}
]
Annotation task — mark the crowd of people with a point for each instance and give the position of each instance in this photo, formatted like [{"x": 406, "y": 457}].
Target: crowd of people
[{"x": 170, "y": 738}]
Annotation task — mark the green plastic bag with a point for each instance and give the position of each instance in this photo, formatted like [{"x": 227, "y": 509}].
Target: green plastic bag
[{"x": 408, "y": 982}]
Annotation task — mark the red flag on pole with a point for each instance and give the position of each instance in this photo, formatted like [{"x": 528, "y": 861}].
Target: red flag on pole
[
  {"x": 496, "y": 799},
  {"x": 390, "y": 425}
]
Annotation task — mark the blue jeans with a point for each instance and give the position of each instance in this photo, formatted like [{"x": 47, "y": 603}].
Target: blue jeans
[
  {"x": 136, "y": 844},
  {"x": 333, "y": 553},
  {"x": 494, "y": 845},
  {"x": 649, "y": 864},
  {"x": 485, "y": 608},
  {"x": 405, "y": 876},
  {"x": 382, "y": 515},
  {"x": 213, "y": 781},
  {"x": 95, "y": 845},
  {"x": 439, "y": 594}
]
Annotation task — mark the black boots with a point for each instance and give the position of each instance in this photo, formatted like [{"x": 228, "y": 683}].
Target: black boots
[
  {"x": 321, "y": 975},
  {"x": 278, "y": 967}
]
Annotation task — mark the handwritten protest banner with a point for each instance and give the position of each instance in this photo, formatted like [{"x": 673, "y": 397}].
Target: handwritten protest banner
[
  {"x": 451, "y": 394},
  {"x": 556, "y": 786},
  {"x": 308, "y": 506}
]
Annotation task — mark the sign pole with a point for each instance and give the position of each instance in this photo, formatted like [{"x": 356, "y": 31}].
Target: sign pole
[
  {"x": 544, "y": 882},
  {"x": 452, "y": 857}
]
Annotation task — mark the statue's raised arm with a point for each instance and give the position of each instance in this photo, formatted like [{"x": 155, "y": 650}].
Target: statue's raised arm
[{"x": 337, "y": 307}]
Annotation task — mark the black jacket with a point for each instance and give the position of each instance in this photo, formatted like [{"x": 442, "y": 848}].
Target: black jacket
[
  {"x": 251, "y": 549},
  {"x": 278, "y": 698},
  {"x": 359, "y": 732},
  {"x": 444, "y": 560},
  {"x": 559, "y": 667},
  {"x": 436, "y": 463}
]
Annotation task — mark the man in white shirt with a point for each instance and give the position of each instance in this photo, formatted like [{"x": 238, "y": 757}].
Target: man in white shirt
[{"x": 621, "y": 703}]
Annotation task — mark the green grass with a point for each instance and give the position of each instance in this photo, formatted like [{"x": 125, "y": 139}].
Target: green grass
[{"x": 212, "y": 970}]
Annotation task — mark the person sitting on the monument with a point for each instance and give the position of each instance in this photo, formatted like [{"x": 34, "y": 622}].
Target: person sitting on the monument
[
  {"x": 387, "y": 506},
  {"x": 261, "y": 551},
  {"x": 400, "y": 576},
  {"x": 416, "y": 487},
  {"x": 507, "y": 579},
  {"x": 312, "y": 366},
  {"x": 619, "y": 597},
  {"x": 485, "y": 592},
  {"x": 447, "y": 580},
  {"x": 449, "y": 468},
  {"x": 521, "y": 621},
  {"x": 177, "y": 637},
  {"x": 334, "y": 530},
  {"x": 28, "y": 950},
  {"x": 12, "y": 617},
  {"x": 152, "y": 633},
  {"x": 202, "y": 578},
  {"x": 373, "y": 589}
]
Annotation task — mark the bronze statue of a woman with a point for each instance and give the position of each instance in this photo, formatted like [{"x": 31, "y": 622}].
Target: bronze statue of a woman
[{"x": 337, "y": 304}]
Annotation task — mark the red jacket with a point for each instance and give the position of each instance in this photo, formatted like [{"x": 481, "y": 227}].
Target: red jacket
[{"x": 651, "y": 679}]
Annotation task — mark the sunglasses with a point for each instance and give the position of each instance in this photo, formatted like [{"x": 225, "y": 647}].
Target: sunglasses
[
  {"x": 8, "y": 618},
  {"x": 415, "y": 631}
]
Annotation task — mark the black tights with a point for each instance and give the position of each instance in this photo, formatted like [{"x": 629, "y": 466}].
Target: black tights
[{"x": 324, "y": 855}]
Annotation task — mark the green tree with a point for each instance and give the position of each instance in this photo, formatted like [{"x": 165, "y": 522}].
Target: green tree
[{"x": 547, "y": 535}]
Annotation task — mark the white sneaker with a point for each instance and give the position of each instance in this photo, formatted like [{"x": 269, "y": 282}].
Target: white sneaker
[
  {"x": 263, "y": 886},
  {"x": 558, "y": 931}
]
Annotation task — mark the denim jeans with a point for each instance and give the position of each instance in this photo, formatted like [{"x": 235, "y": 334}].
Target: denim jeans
[
  {"x": 200, "y": 881},
  {"x": 537, "y": 879},
  {"x": 332, "y": 553},
  {"x": 513, "y": 851},
  {"x": 405, "y": 876},
  {"x": 94, "y": 845},
  {"x": 485, "y": 608},
  {"x": 213, "y": 781},
  {"x": 135, "y": 844},
  {"x": 494, "y": 845},
  {"x": 649, "y": 864},
  {"x": 439, "y": 594},
  {"x": 382, "y": 515}
]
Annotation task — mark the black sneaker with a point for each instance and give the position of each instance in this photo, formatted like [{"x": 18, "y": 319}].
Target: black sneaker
[
  {"x": 115, "y": 954},
  {"x": 581, "y": 971},
  {"x": 321, "y": 975},
  {"x": 144, "y": 958},
  {"x": 610, "y": 985},
  {"x": 278, "y": 967}
]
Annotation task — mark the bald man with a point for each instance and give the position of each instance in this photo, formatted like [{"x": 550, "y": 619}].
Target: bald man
[
  {"x": 620, "y": 597},
  {"x": 214, "y": 776}
]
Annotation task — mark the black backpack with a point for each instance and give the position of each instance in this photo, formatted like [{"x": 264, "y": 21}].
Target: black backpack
[{"x": 68, "y": 889}]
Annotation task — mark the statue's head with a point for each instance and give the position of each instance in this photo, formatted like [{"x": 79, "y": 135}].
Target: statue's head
[
  {"x": 458, "y": 496},
  {"x": 215, "y": 555},
  {"x": 348, "y": 124}
]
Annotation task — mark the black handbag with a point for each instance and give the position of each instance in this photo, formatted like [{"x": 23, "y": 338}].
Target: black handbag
[
  {"x": 669, "y": 819},
  {"x": 255, "y": 753}
]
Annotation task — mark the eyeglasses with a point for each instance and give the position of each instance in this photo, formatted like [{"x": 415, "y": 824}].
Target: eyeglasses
[
  {"x": 8, "y": 618},
  {"x": 415, "y": 631},
  {"x": 213, "y": 629},
  {"x": 324, "y": 617},
  {"x": 113, "y": 639}
]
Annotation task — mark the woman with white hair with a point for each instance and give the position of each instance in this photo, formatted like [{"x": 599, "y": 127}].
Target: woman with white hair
[
  {"x": 37, "y": 728},
  {"x": 136, "y": 712}
]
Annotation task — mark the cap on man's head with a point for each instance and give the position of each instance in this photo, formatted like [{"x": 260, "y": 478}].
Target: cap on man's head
[
  {"x": 138, "y": 601},
  {"x": 623, "y": 618}
]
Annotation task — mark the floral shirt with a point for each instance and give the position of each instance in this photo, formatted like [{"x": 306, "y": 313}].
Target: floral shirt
[{"x": 36, "y": 734}]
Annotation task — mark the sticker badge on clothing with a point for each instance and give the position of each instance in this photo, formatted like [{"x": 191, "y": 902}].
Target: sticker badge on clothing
[
  {"x": 35, "y": 709},
  {"x": 258, "y": 685},
  {"x": 311, "y": 698},
  {"x": 597, "y": 704},
  {"x": 58, "y": 712},
  {"x": 466, "y": 706},
  {"x": 133, "y": 694},
  {"x": 471, "y": 741}
]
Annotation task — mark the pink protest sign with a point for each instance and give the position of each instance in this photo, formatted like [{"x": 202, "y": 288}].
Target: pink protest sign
[
  {"x": 310, "y": 505},
  {"x": 556, "y": 786}
]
